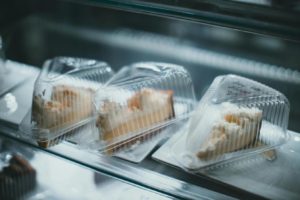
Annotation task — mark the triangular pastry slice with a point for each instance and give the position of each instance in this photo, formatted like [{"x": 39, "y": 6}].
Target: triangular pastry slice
[
  {"x": 67, "y": 106},
  {"x": 236, "y": 128},
  {"x": 144, "y": 109}
]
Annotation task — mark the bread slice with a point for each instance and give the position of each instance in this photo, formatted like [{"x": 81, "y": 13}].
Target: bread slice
[
  {"x": 144, "y": 109},
  {"x": 238, "y": 128}
]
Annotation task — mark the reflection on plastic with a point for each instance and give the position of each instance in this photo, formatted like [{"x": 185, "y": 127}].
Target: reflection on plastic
[{"x": 8, "y": 104}]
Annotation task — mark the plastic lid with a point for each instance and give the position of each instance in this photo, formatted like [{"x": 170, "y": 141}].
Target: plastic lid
[
  {"x": 236, "y": 117},
  {"x": 2, "y": 67},
  {"x": 63, "y": 96},
  {"x": 139, "y": 101}
]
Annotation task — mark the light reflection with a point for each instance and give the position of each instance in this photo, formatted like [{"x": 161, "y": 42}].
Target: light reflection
[
  {"x": 8, "y": 104},
  {"x": 63, "y": 179},
  {"x": 60, "y": 179},
  {"x": 297, "y": 138}
]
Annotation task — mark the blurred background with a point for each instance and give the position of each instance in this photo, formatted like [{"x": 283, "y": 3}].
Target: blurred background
[{"x": 34, "y": 31}]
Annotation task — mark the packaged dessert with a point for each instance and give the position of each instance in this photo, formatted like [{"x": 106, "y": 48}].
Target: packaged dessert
[
  {"x": 236, "y": 117},
  {"x": 63, "y": 98},
  {"x": 139, "y": 102},
  {"x": 17, "y": 176}
]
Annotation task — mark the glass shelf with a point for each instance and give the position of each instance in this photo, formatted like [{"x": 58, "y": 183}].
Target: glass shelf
[
  {"x": 269, "y": 17},
  {"x": 58, "y": 178}
]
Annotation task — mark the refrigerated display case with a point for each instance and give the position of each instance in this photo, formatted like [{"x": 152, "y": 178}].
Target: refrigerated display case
[{"x": 254, "y": 39}]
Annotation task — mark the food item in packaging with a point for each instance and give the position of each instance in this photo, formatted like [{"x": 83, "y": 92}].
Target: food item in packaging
[
  {"x": 63, "y": 98},
  {"x": 228, "y": 128},
  {"x": 68, "y": 105},
  {"x": 16, "y": 179},
  {"x": 235, "y": 118},
  {"x": 139, "y": 104},
  {"x": 145, "y": 108}
]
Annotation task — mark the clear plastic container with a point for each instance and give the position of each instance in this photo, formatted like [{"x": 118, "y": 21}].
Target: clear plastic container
[
  {"x": 2, "y": 67},
  {"x": 139, "y": 102},
  {"x": 1, "y": 55},
  {"x": 12, "y": 74},
  {"x": 3, "y": 70},
  {"x": 63, "y": 98},
  {"x": 236, "y": 117}
]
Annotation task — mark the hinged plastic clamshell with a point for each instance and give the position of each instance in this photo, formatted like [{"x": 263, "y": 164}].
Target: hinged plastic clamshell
[
  {"x": 63, "y": 97},
  {"x": 140, "y": 101},
  {"x": 236, "y": 117}
]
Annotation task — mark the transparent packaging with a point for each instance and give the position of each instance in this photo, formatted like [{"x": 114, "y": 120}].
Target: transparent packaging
[
  {"x": 3, "y": 69},
  {"x": 236, "y": 117},
  {"x": 1, "y": 56},
  {"x": 140, "y": 102},
  {"x": 63, "y": 98},
  {"x": 11, "y": 76}
]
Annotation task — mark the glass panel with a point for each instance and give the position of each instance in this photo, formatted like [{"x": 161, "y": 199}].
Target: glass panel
[
  {"x": 278, "y": 18},
  {"x": 57, "y": 178}
]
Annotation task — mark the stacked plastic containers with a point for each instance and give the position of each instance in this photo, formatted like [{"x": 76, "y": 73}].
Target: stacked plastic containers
[
  {"x": 236, "y": 117},
  {"x": 63, "y": 98},
  {"x": 139, "y": 102}
]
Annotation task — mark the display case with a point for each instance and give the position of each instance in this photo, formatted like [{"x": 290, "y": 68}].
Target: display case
[{"x": 258, "y": 40}]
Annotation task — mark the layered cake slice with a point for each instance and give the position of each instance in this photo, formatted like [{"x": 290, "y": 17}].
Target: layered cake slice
[
  {"x": 233, "y": 129},
  {"x": 144, "y": 109},
  {"x": 68, "y": 105}
]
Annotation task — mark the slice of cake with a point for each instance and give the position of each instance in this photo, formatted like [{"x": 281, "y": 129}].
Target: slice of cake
[
  {"x": 16, "y": 179},
  {"x": 144, "y": 109},
  {"x": 67, "y": 105},
  {"x": 235, "y": 128}
]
